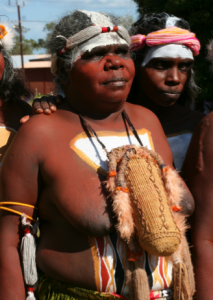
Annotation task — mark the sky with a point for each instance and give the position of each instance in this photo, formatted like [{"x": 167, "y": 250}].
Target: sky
[{"x": 45, "y": 11}]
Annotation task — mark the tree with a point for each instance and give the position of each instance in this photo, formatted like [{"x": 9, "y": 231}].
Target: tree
[
  {"x": 49, "y": 29},
  {"x": 28, "y": 45},
  {"x": 199, "y": 15}
]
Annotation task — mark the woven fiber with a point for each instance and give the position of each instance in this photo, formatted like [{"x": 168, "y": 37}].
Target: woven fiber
[{"x": 157, "y": 231}]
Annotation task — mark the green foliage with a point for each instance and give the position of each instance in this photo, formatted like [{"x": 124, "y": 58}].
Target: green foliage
[
  {"x": 199, "y": 15},
  {"x": 29, "y": 45},
  {"x": 49, "y": 28}
]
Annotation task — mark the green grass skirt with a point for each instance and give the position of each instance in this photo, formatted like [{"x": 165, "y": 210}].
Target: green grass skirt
[{"x": 51, "y": 289}]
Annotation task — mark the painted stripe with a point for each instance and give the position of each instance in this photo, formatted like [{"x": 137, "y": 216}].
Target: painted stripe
[
  {"x": 103, "y": 272},
  {"x": 161, "y": 261}
]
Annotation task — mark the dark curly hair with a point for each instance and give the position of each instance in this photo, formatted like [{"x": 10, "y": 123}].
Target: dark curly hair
[
  {"x": 12, "y": 86},
  {"x": 153, "y": 22}
]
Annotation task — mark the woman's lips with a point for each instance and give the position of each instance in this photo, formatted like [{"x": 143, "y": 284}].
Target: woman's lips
[
  {"x": 116, "y": 81},
  {"x": 170, "y": 94}
]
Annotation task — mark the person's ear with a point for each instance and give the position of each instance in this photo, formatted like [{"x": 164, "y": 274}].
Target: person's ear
[{"x": 62, "y": 73}]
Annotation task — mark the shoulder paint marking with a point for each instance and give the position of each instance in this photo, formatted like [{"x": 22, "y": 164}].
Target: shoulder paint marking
[{"x": 92, "y": 153}]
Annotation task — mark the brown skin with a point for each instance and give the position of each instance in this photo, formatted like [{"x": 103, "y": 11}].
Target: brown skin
[
  {"x": 67, "y": 190},
  {"x": 197, "y": 170},
  {"x": 160, "y": 84}
]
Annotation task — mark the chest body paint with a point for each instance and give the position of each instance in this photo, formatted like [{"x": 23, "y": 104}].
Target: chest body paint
[{"x": 107, "y": 251}]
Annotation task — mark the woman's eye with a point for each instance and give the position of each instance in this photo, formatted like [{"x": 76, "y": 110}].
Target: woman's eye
[
  {"x": 185, "y": 67},
  {"x": 161, "y": 65},
  {"x": 97, "y": 54},
  {"x": 122, "y": 52},
  {"x": 92, "y": 55}
]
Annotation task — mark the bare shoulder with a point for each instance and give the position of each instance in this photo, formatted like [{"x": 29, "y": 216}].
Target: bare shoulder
[
  {"x": 142, "y": 113},
  {"x": 44, "y": 128},
  {"x": 35, "y": 132}
]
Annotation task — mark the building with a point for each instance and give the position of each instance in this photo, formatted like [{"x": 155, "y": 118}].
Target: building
[{"x": 37, "y": 72}]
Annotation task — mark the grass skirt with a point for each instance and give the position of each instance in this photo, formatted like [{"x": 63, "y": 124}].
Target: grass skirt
[{"x": 51, "y": 289}]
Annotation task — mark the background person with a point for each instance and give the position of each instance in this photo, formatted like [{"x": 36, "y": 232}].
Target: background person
[
  {"x": 197, "y": 170},
  {"x": 164, "y": 81},
  {"x": 12, "y": 92}
]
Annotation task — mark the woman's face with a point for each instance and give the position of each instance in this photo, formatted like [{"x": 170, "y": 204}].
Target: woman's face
[
  {"x": 164, "y": 79},
  {"x": 1, "y": 66},
  {"x": 101, "y": 79}
]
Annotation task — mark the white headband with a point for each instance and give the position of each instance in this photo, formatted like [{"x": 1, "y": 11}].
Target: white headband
[
  {"x": 168, "y": 51},
  {"x": 105, "y": 39}
]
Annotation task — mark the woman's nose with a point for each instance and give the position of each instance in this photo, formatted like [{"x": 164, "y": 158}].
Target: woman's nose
[
  {"x": 173, "y": 76},
  {"x": 113, "y": 62}
]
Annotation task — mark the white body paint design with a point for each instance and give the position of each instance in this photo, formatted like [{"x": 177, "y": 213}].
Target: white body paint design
[
  {"x": 93, "y": 150},
  {"x": 179, "y": 145},
  {"x": 6, "y": 136},
  {"x": 171, "y": 21},
  {"x": 110, "y": 38},
  {"x": 168, "y": 51}
]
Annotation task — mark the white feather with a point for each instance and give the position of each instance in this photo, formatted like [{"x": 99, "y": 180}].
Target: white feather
[{"x": 8, "y": 40}]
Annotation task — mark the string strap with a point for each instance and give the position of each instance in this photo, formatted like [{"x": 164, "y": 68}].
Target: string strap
[
  {"x": 92, "y": 131},
  {"x": 134, "y": 131},
  {"x": 15, "y": 211}
]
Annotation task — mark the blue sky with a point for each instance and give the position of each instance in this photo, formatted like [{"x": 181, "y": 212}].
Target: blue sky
[{"x": 46, "y": 11}]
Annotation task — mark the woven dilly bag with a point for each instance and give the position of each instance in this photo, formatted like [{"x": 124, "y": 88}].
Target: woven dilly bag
[{"x": 138, "y": 181}]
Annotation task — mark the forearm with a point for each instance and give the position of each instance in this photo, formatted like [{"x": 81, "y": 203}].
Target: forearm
[
  {"x": 11, "y": 278},
  {"x": 203, "y": 267}
]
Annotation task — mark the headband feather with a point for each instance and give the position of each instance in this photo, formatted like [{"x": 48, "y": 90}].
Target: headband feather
[{"x": 6, "y": 37}]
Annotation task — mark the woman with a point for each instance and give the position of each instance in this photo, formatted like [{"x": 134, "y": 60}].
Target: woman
[
  {"x": 12, "y": 91},
  {"x": 164, "y": 80}
]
